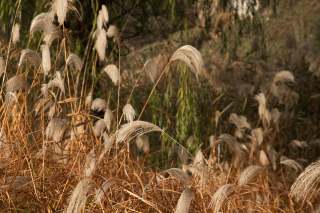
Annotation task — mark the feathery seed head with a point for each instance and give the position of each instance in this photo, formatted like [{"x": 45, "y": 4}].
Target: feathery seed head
[
  {"x": 99, "y": 127},
  {"x": 220, "y": 197},
  {"x": 78, "y": 198},
  {"x": 180, "y": 175},
  {"x": 184, "y": 201},
  {"x": 108, "y": 117},
  {"x": 32, "y": 56},
  {"x": 101, "y": 43},
  {"x": 142, "y": 143},
  {"x": 16, "y": 83},
  {"x": 90, "y": 164},
  {"x": 304, "y": 186},
  {"x": 151, "y": 69},
  {"x": 284, "y": 76},
  {"x": 89, "y": 99},
  {"x": 113, "y": 73},
  {"x": 135, "y": 129},
  {"x": 191, "y": 56},
  {"x": 57, "y": 81},
  {"x": 249, "y": 173},
  {"x": 102, "y": 191},
  {"x": 74, "y": 60},
  {"x": 114, "y": 32},
  {"x": 261, "y": 98},
  {"x": 99, "y": 105},
  {"x": 16, "y": 34},
  {"x": 55, "y": 129},
  {"x": 46, "y": 59},
  {"x": 291, "y": 163},
  {"x": 129, "y": 113},
  {"x": 60, "y": 7},
  {"x": 216, "y": 117}
]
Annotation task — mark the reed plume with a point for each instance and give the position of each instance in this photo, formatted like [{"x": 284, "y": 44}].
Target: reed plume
[
  {"x": 221, "y": 196},
  {"x": 142, "y": 143},
  {"x": 291, "y": 163},
  {"x": 151, "y": 69},
  {"x": 99, "y": 127},
  {"x": 99, "y": 105},
  {"x": 79, "y": 196},
  {"x": 90, "y": 165},
  {"x": 74, "y": 60},
  {"x": 16, "y": 83},
  {"x": 249, "y": 173},
  {"x": 102, "y": 191},
  {"x": 284, "y": 76},
  {"x": 191, "y": 56},
  {"x": 184, "y": 201},
  {"x": 113, "y": 73},
  {"x": 305, "y": 185},
  {"x": 57, "y": 81},
  {"x": 55, "y": 129},
  {"x": 101, "y": 43},
  {"x": 114, "y": 32},
  {"x": 129, "y": 113},
  {"x": 135, "y": 129},
  {"x": 180, "y": 175},
  {"x": 32, "y": 56},
  {"x": 46, "y": 59},
  {"x": 16, "y": 34},
  {"x": 108, "y": 117}
]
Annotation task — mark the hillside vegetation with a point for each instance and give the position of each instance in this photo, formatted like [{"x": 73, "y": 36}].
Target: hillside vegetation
[{"x": 172, "y": 106}]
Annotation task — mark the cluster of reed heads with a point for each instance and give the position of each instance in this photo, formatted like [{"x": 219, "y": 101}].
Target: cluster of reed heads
[{"x": 56, "y": 156}]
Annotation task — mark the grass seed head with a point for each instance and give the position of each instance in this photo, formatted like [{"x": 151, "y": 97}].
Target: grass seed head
[
  {"x": 184, "y": 201},
  {"x": 16, "y": 83},
  {"x": 46, "y": 59},
  {"x": 129, "y": 113},
  {"x": 32, "y": 56},
  {"x": 152, "y": 70},
  {"x": 57, "y": 81},
  {"x": 16, "y": 34},
  {"x": 74, "y": 60},
  {"x": 113, "y": 73},
  {"x": 101, "y": 43},
  {"x": 180, "y": 175},
  {"x": 99, "y": 105}
]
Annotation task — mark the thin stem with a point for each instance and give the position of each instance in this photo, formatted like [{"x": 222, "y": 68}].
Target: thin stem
[{"x": 153, "y": 90}]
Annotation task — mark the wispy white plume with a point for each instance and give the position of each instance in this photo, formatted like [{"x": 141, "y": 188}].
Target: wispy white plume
[
  {"x": 263, "y": 158},
  {"x": 261, "y": 98},
  {"x": 128, "y": 113},
  {"x": 305, "y": 185},
  {"x": 74, "y": 60},
  {"x": 108, "y": 117},
  {"x": 89, "y": 99},
  {"x": 191, "y": 56},
  {"x": 45, "y": 90},
  {"x": 241, "y": 123},
  {"x": 90, "y": 163},
  {"x": 233, "y": 144},
  {"x": 182, "y": 153},
  {"x": 54, "y": 129},
  {"x": 191, "y": 140},
  {"x": 16, "y": 34},
  {"x": 99, "y": 127},
  {"x": 52, "y": 111},
  {"x": 16, "y": 83},
  {"x": 105, "y": 13},
  {"x": 257, "y": 135},
  {"x": 142, "y": 143},
  {"x": 300, "y": 144},
  {"x": 292, "y": 163},
  {"x": 151, "y": 69},
  {"x": 46, "y": 59},
  {"x": 32, "y": 56},
  {"x": 102, "y": 191},
  {"x": 101, "y": 43},
  {"x": 79, "y": 196},
  {"x": 199, "y": 156},
  {"x": 39, "y": 104},
  {"x": 43, "y": 23},
  {"x": 60, "y": 7},
  {"x": 184, "y": 201},
  {"x": 113, "y": 73},
  {"x": 114, "y": 32},
  {"x": 2, "y": 66},
  {"x": 99, "y": 105},
  {"x": 11, "y": 99},
  {"x": 57, "y": 81},
  {"x": 249, "y": 173},
  {"x": 221, "y": 196},
  {"x": 180, "y": 175},
  {"x": 135, "y": 129},
  {"x": 284, "y": 76}
]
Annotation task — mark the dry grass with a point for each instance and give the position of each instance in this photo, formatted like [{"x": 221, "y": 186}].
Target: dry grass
[{"x": 64, "y": 158}]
